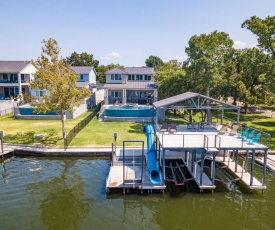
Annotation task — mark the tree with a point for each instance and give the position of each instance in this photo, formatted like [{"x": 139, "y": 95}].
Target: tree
[
  {"x": 82, "y": 59},
  {"x": 154, "y": 61},
  {"x": 205, "y": 63},
  {"x": 102, "y": 69},
  {"x": 248, "y": 80},
  {"x": 264, "y": 29},
  {"x": 55, "y": 75}
]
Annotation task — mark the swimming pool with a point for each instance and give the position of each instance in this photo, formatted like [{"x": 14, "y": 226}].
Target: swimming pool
[
  {"x": 129, "y": 111},
  {"x": 29, "y": 110}
]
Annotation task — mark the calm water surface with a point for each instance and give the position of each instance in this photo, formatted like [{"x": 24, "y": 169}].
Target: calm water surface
[{"x": 68, "y": 193}]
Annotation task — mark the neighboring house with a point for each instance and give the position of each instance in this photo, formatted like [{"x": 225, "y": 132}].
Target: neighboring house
[
  {"x": 86, "y": 79},
  {"x": 15, "y": 77},
  {"x": 131, "y": 85}
]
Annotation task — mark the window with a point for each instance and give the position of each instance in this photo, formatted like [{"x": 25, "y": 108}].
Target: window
[
  {"x": 139, "y": 77},
  {"x": 81, "y": 77},
  {"x": 117, "y": 76},
  {"x": 112, "y": 77},
  {"x": 129, "y": 77},
  {"x": 22, "y": 78},
  {"x": 116, "y": 94},
  {"x": 5, "y": 76},
  {"x": 147, "y": 77}
]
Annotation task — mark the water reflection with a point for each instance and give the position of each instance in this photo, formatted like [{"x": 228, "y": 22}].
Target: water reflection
[
  {"x": 4, "y": 172},
  {"x": 63, "y": 204}
]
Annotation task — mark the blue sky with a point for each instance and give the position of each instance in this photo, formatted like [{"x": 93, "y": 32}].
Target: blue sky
[{"x": 122, "y": 31}]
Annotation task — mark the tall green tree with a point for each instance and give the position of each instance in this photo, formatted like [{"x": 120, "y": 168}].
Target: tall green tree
[
  {"x": 264, "y": 29},
  {"x": 54, "y": 75},
  {"x": 82, "y": 59},
  {"x": 170, "y": 79},
  {"x": 153, "y": 61},
  {"x": 205, "y": 63},
  {"x": 102, "y": 69},
  {"x": 247, "y": 82}
]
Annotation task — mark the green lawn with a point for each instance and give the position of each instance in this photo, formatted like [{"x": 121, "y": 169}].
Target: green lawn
[{"x": 101, "y": 133}]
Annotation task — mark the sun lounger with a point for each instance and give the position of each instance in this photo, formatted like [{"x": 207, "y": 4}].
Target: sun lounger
[
  {"x": 173, "y": 128},
  {"x": 234, "y": 130},
  {"x": 223, "y": 130},
  {"x": 164, "y": 127},
  {"x": 243, "y": 133},
  {"x": 255, "y": 140}
]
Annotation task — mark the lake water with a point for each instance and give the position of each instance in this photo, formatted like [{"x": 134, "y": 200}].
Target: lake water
[{"x": 69, "y": 193}]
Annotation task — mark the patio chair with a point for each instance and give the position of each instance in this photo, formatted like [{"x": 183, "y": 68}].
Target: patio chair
[
  {"x": 250, "y": 135},
  {"x": 234, "y": 130},
  {"x": 255, "y": 139},
  {"x": 164, "y": 127},
  {"x": 223, "y": 130},
  {"x": 243, "y": 133},
  {"x": 173, "y": 128}
]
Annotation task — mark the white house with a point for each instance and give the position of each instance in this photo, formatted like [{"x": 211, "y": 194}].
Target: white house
[
  {"x": 131, "y": 85},
  {"x": 15, "y": 77}
]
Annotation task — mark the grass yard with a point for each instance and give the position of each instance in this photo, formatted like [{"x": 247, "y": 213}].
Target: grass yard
[
  {"x": 24, "y": 131},
  {"x": 101, "y": 133}
]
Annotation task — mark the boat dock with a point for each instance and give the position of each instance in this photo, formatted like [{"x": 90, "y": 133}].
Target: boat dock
[
  {"x": 130, "y": 171},
  {"x": 6, "y": 152}
]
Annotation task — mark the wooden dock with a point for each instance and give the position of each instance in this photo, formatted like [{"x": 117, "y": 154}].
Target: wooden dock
[
  {"x": 270, "y": 162},
  {"x": 241, "y": 173},
  {"x": 7, "y": 152},
  {"x": 134, "y": 175}
]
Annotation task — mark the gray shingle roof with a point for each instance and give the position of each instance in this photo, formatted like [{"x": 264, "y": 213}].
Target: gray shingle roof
[
  {"x": 140, "y": 70},
  {"x": 82, "y": 69},
  {"x": 132, "y": 70},
  {"x": 12, "y": 66},
  {"x": 82, "y": 84},
  {"x": 132, "y": 85},
  {"x": 115, "y": 71}
]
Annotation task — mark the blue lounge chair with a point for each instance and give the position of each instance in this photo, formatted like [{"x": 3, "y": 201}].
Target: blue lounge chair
[
  {"x": 255, "y": 139},
  {"x": 250, "y": 135},
  {"x": 243, "y": 133}
]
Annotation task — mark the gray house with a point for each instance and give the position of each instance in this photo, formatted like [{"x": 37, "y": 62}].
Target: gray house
[{"x": 131, "y": 85}]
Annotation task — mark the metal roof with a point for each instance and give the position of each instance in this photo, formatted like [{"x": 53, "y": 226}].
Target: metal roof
[
  {"x": 12, "y": 66},
  {"x": 133, "y": 85},
  {"x": 115, "y": 71},
  {"x": 82, "y": 69},
  {"x": 132, "y": 70},
  {"x": 196, "y": 101},
  {"x": 140, "y": 70}
]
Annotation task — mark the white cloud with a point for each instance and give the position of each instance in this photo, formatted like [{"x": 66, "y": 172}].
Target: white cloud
[
  {"x": 239, "y": 45},
  {"x": 111, "y": 55},
  {"x": 114, "y": 54}
]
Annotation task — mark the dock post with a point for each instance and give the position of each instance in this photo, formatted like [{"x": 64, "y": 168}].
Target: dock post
[
  {"x": 243, "y": 169},
  {"x": 246, "y": 161},
  {"x": 202, "y": 167},
  {"x": 159, "y": 155},
  {"x": 192, "y": 161},
  {"x": 187, "y": 159},
  {"x": 163, "y": 166},
  {"x": 252, "y": 167},
  {"x": 236, "y": 160},
  {"x": 185, "y": 156},
  {"x": 214, "y": 167},
  {"x": 264, "y": 169},
  {"x": 224, "y": 155}
]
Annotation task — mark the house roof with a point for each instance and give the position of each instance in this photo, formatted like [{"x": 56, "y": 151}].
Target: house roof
[
  {"x": 132, "y": 70},
  {"x": 115, "y": 71},
  {"x": 82, "y": 84},
  {"x": 197, "y": 101},
  {"x": 140, "y": 70},
  {"x": 133, "y": 85},
  {"x": 12, "y": 66},
  {"x": 82, "y": 69}
]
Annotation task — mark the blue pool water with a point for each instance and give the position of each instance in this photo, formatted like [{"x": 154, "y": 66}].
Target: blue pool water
[
  {"x": 29, "y": 110},
  {"x": 129, "y": 111}
]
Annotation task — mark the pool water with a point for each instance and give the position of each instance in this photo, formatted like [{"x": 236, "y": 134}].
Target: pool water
[
  {"x": 29, "y": 110},
  {"x": 129, "y": 111},
  {"x": 69, "y": 193}
]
